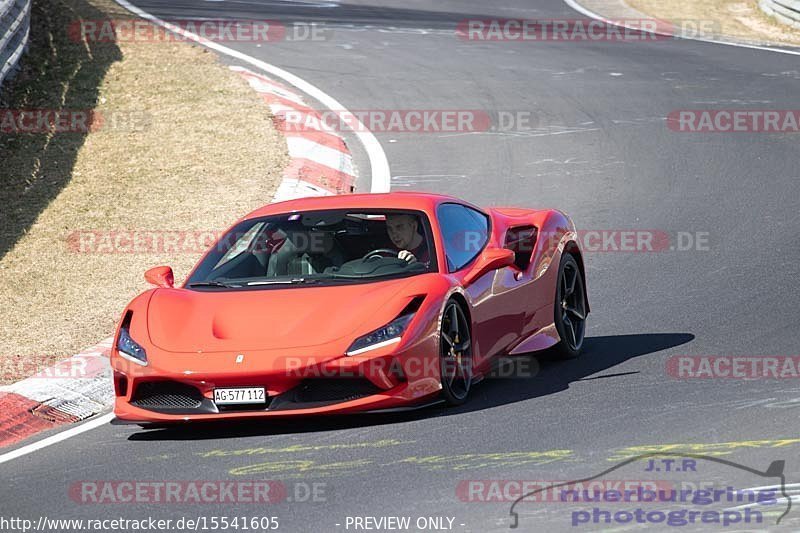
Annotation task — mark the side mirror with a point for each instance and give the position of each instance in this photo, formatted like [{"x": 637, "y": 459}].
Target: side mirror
[
  {"x": 160, "y": 277},
  {"x": 490, "y": 259}
]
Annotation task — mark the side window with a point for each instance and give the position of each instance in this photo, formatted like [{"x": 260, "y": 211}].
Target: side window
[
  {"x": 465, "y": 232},
  {"x": 241, "y": 245},
  {"x": 521, "y": 241}
]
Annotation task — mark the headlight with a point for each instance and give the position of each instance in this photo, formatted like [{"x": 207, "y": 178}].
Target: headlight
[
  {"x": 388, "y": 334},
  {"x": 130, "y": 349}
]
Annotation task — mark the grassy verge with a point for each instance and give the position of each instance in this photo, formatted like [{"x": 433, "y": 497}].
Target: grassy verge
[
  {"x": 184, "y": 145},
  {"x": 739, "y": 19}
]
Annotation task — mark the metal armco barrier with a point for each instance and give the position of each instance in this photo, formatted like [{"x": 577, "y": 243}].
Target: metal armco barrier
[
  {"x": 786, "y": 11},
  {"x": 15, "y": 25}
]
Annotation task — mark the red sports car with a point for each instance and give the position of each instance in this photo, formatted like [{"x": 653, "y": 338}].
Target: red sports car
[{"x": 349, "y": 303}]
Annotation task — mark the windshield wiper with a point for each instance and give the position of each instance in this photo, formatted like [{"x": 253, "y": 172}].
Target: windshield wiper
[
  {"x": 293, "y": 281},
  {"x": 212, "y": 284}
]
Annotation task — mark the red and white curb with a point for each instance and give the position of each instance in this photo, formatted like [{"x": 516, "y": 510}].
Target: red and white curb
[
  {"x": 81, "y": 386},
  {"x": 321, "y": 163},
  {"x": 70, "y": 391}
]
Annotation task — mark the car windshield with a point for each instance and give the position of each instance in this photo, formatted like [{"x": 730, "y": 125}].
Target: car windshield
[{"x": 318, "y": 247}]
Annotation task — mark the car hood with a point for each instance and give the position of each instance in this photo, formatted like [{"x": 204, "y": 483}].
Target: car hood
[{"x": 181, "y": 320}]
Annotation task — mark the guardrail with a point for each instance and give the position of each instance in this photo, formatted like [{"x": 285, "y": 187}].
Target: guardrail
[
  {"x": 786, "y": 11},
  {"x": 15, "y": 26}
]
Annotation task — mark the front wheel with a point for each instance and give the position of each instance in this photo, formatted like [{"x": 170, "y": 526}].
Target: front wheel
[
  {"x": 455, "y": 354},
  {"x": 570, "y": 308}
]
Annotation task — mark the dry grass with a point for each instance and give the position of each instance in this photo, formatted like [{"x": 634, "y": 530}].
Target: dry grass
[
  {"x": 203, "y": 152},
  {"x": 738, "y": 19}
]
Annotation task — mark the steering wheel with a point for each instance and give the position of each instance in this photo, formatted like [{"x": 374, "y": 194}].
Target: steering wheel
[{"x": 380, "y": 252}]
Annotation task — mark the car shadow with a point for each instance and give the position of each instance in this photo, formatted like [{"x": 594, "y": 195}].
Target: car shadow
[{"x": 553, "y": 375}]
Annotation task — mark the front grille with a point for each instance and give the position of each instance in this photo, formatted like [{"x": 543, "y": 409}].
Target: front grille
[
  {"x": 166, "y": 395},
  {"x": 335, "y": 390}
]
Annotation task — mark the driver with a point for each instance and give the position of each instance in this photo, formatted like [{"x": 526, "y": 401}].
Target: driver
[{"x": 404, "y": 234}]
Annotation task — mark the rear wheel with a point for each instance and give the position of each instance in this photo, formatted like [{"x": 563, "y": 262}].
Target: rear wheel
[
  {"x": 455, "y": 354},
  {"x": 570, "y": 308}
]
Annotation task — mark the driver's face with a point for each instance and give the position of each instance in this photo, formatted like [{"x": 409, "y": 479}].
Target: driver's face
[{"x": 401, "y": 230}]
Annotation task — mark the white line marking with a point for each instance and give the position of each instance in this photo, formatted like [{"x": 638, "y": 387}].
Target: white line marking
[
  {"x": 788, "y": 487},
  {"x": 55, "y": 439},
  {"x": 589, "y": 13},
  {"x": 379, "y": 164},
  {"x": 756, "y": 504}
]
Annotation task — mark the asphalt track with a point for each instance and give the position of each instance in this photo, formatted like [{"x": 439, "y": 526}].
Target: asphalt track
[{"x": 602, "y": 152}]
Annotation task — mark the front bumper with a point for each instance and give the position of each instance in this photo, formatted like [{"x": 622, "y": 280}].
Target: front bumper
[
  {"x": 400, "y": 397},
  {"x": 183, "y": 389}
]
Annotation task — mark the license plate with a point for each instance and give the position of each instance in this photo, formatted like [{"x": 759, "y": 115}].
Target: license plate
[{"x": 240, "y": 396}]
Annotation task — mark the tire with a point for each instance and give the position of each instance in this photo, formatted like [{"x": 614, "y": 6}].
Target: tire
[
  {"x": 570, "y": 308},
  {"x": 455, "y": 354}
]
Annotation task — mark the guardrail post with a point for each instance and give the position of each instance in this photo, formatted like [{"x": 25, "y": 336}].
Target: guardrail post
[
  {"x": 785, "y": 11},
  {"x": 15, "y": 26}
]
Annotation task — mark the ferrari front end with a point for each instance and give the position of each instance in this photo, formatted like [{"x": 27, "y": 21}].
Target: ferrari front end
[{"x": 216, "y": 370}]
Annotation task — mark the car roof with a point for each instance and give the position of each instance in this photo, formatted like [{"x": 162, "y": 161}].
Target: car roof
[{"x": 395, "y": 200}]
